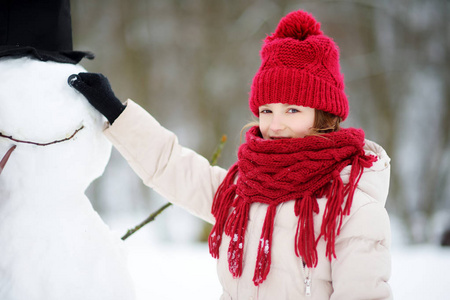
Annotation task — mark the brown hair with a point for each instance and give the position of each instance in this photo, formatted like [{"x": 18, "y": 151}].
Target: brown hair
[{"x": 325, "y": 122}]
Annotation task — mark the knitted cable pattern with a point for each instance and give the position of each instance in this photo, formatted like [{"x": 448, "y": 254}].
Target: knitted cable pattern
[
  {"x": 299, "y": 65},
  {"x": 276, "y": 171}
]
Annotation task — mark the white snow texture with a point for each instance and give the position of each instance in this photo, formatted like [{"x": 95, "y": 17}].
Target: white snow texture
[{"x": 53, "y": 245}]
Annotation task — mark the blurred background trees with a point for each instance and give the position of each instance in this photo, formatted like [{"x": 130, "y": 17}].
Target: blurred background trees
[{"x": 190, "y": 64}]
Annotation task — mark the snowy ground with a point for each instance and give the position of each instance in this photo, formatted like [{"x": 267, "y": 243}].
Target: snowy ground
[
  {"x": 185, "y": 270},
  {"x": 175, "y": 271},
  {"x": 421, "y": 272}
]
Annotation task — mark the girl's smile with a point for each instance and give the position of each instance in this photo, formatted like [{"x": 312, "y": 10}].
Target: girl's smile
[{"x": 281, "y": 121}]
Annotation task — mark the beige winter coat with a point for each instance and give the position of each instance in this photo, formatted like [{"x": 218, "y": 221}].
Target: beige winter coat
[{"x": 362, "y": 267}]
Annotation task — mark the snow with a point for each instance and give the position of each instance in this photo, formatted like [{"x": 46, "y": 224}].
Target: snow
[
  {"x": 51, "y": 240},
  {"x": 173, "y": 271},
  {"x": 421, "y": 272},
  {"x": 186, "y": 270}
]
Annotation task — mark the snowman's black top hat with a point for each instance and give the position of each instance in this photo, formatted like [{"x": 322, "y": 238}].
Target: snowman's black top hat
[{"x": 38, "y": 28}]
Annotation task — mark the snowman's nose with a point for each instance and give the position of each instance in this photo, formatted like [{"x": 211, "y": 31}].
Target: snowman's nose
[{"x": 6, "y": 157}]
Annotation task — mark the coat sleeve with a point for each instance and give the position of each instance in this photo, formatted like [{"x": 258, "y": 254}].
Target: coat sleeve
[
  {"x": 363, "y": 264},
  {"x": 182, "y": 176}
]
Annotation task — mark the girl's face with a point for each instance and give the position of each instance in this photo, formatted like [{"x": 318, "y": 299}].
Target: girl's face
[{"x": 280, "y": 120}]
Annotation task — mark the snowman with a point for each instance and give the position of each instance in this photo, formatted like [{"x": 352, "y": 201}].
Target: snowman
[{"x": 53, "y": 245}]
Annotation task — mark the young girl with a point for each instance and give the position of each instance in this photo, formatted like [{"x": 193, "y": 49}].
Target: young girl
[{"x": 301, "y": 213}]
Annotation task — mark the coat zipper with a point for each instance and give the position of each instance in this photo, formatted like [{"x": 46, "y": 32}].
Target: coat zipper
[
  {"x": 308, "y": 286},
  {"x": 307, "y": 274}
]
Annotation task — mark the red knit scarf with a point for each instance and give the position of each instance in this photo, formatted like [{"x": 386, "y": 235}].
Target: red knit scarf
[{"x": 276, "y": 171}]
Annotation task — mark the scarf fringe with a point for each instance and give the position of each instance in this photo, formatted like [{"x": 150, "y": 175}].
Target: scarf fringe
[
  {"x": 359, "y": 163},
  {"x": 263, "y": 259},
  {"x": 222, "y": 203},
  {"x": 235, "y": 227},
  {"x": 305, "y": 243},
  {"x": 339, "y": 200},
  {"x": 338, "y": 193},
  {"x": 333, "y": 215}
]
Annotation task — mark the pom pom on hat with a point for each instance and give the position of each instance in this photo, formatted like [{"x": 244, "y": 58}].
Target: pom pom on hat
[
  {"x": 300, "y": 66},
  {"x": 297, "y": 25}
]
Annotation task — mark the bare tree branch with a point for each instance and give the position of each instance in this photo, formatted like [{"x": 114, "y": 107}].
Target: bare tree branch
[
  {"x": 152, "y": 216},
  {"x": 146, "y": 221}
]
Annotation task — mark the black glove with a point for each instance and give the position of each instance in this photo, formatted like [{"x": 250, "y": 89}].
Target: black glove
[{"x": 97, "y": 90}]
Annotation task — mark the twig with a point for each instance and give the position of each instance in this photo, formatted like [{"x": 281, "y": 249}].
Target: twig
[
  {"x": 41, "y": 144},
  {"x": 152, "y": 217},
  {"x": 6, "y": 157},
  {"x": 218, "y": 151},
  {"x": 146, "y": 221}
]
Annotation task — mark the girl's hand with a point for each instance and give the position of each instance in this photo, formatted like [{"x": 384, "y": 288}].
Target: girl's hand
[{"x": 97, "y": 90}]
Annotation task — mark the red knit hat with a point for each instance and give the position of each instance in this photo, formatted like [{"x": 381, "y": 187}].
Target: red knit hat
[{"x": 300, "y": 66}]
